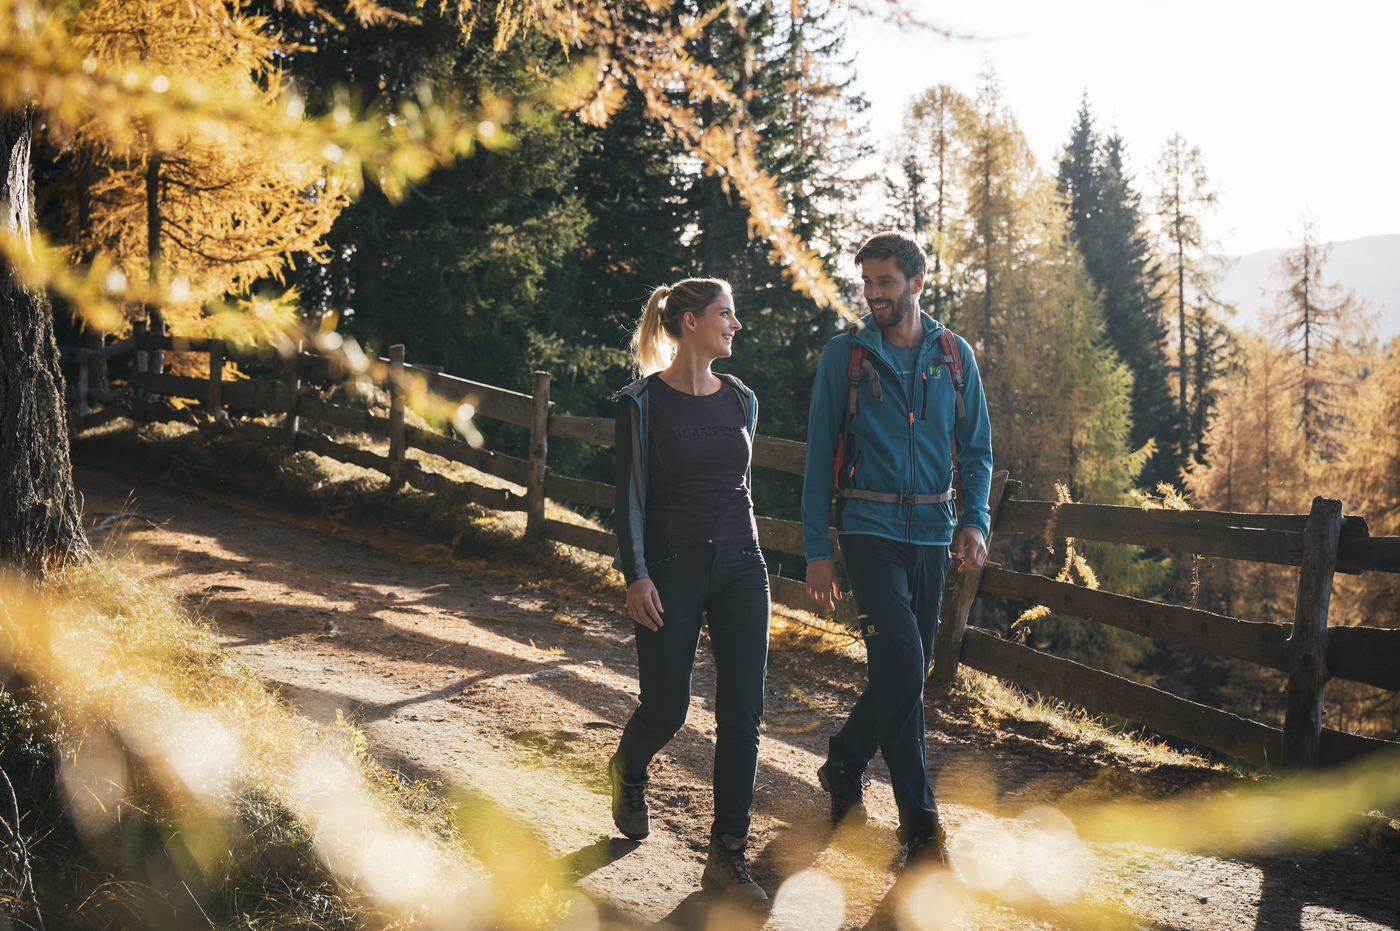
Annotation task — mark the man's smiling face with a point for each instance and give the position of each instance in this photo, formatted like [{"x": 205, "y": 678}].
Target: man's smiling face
[{"x": 888, "y": 294}]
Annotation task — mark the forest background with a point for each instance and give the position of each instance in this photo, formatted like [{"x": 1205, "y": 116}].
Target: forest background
[{"x": 1088, "y": 288}]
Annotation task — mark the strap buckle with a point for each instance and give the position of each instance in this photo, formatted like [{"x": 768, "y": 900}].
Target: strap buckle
[{"x": 907, "y": 500}]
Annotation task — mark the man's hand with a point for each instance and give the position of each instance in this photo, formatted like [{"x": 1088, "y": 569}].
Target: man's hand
[
  {"x": 644, "y": 604},
  {"x": 821, "y": 583},
  {"x": 970, "y": 548}
]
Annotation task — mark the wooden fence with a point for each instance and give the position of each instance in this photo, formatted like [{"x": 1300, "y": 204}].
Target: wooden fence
[{"x": 1319, "y": 543}]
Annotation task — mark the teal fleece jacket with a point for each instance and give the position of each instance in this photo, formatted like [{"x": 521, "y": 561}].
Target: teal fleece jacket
[{"x": 898, "y": 444}]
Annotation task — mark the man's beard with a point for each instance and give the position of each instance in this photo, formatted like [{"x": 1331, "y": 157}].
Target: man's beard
[{"x": 903, "y": 306}]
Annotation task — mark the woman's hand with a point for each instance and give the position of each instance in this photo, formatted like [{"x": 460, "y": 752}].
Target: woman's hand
[{"x": 644, "y": 604}]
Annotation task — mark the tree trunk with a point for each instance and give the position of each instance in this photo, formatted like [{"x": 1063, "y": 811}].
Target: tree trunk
[{"x": 40, "y": 524}]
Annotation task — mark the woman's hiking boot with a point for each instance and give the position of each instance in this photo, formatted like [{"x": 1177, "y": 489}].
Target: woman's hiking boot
[
  {"x": 725, "y": 870},
  {"x": 846, "y": 783},
  {"x": 629, "y": 802}
]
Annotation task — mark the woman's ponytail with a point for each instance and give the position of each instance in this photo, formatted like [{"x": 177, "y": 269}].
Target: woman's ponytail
[
  {"x": 652, "y": 347},
  {"x": 657, "y": 335}
]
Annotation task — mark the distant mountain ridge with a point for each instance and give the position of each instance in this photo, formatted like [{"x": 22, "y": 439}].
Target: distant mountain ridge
[{"x": 1371, "y": 265}]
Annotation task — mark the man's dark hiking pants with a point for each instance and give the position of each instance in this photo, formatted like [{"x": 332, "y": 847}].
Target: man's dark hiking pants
[
  {"x": 725, "y": 588},
  {"x": 898, "y": 589}
]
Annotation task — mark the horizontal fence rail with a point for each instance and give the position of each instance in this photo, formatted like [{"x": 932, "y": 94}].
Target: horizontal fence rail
[{"x": 1308, "y": 649}]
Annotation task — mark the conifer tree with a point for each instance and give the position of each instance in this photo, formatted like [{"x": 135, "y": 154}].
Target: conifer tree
[
  {"x": 1320, "y": 324},
  {"x": 1107, "y": 225},
  {"x": 787, "y": 63},
  {"x": 1184, "y": 199},
  {"x": 925, "y": 187},
  {"x": 1258, "y": 462},
  {"x": 219, "y": 205}
]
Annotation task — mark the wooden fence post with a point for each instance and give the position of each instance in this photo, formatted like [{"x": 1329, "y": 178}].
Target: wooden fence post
[
  {"x": 138, "y": 339},
  {"x": 398, "y": 446},
  {"x": 158, "y": 329},
  {"x": 539, "y": 449},
  {"x": 84, "y": 384},
  {"x": 947, "y": 642},
  {"x": 1307, "y": 679},
  {"x": 215, "y": 403},
  {"x": 294, "y": 397}
]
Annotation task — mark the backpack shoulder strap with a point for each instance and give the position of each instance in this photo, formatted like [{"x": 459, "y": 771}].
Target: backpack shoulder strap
[
  {"x": 856, "y": 368},
  {"x": 950, "y": 349}
]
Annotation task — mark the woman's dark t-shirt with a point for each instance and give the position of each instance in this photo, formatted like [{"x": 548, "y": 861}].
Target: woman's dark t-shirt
[{"x": 698, "y": 452}]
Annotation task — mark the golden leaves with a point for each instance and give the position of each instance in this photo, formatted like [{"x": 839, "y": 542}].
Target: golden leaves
[
  {"x": 194, "y": 92},
  {"x": 1074, "y": 561}
]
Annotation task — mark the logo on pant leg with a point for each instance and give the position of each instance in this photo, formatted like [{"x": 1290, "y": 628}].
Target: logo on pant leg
[{"x": 868, "y": 629}]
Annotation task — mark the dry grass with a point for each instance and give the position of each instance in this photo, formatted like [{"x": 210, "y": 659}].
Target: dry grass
[{"x": 183, "y": 787}]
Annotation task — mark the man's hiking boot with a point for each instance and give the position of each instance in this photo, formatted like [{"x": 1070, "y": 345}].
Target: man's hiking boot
[
  {"x": 846, "y": 783},
  {"x": 629, "y": 802},
  {"x": 725, "y": 871},
  {"x": 928, "y": 854},
  {"x": 929, "y": 890},
  {"x": 928, "y": 848}
]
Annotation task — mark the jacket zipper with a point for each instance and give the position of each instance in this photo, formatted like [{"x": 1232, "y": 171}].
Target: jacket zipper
[
  {"x": 923, "y": 411},
  {"x": 914, "y": 478}
]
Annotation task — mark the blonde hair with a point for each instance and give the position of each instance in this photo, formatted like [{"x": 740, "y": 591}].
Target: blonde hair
[{"x": 657, "y": 335}]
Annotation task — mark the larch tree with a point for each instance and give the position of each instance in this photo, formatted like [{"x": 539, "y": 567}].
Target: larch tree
[
  {"x": 1367, "y": 480},
  {"x": 40, "y": 521},
  {"x": 1258, "y": 463},
  {"x": 1108, "y": 226},
  {"x": 81, "y": 89},
  {"x": 999, "y": 174},
  {"x": 1320, "y": 324},
  {"x": 1058, "y": 395},
  {"x": 1184, "y": 198},
  {"x": 201, "y": 208}
]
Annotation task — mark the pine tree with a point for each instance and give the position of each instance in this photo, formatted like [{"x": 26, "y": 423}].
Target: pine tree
[
  {"x": 1320, "y": 324},
  {"x": 1107, "y": 225},
  {"x": 1184, "y": 198}
]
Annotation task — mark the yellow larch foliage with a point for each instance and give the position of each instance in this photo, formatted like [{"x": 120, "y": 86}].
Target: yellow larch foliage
[
  {"x": 247, "y": 177},
  {"x": 234, "y": 203}
]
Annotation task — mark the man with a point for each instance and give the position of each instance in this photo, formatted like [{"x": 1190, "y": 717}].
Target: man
[{"x": 896, "y": 519}]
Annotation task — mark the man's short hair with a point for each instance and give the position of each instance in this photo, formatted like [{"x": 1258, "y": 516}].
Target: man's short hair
[{"x": 909, "y": 256}]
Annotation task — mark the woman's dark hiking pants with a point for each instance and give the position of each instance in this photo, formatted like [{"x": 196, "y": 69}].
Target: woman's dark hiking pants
[
  {"x": 728, "y": 585},
  {"x": 898, "y": 589}
]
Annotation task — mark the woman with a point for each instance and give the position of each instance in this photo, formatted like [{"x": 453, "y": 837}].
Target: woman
[{"x": 687, "y": 545}]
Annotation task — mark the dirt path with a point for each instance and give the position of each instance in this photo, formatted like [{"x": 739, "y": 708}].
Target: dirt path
[{"x": 517, "y": 689}]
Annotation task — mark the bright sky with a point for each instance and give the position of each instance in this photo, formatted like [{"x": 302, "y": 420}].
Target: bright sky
[{"x": 1295, "y": 105}]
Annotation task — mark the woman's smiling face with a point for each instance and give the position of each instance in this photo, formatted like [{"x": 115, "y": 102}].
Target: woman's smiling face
[{"x": 713, "y": 330}]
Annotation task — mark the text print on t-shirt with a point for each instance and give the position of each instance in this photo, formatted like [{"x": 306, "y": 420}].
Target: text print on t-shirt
[{"x": 709, "y": 431}]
